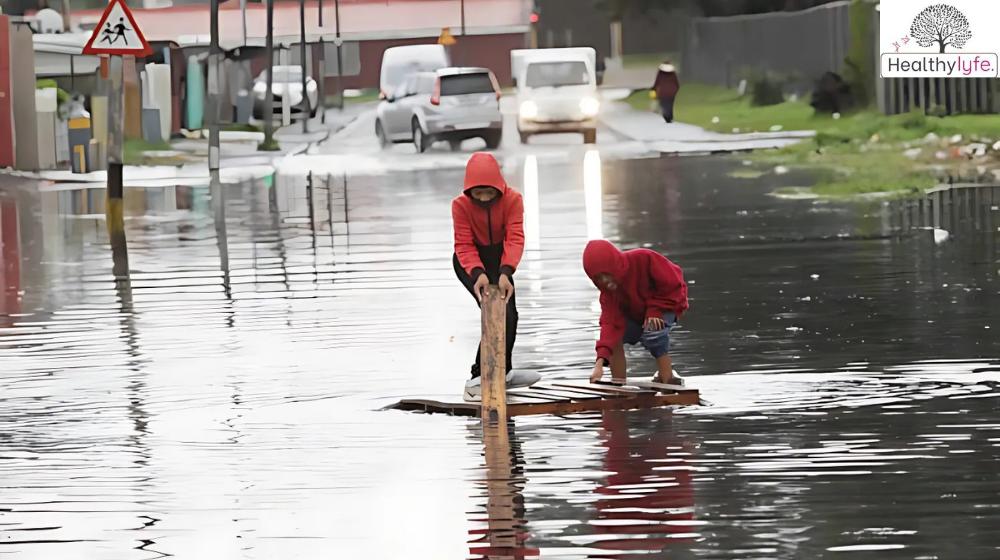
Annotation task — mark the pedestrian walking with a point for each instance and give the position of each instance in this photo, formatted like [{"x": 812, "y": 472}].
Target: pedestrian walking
[{"x": 665, "y": 89}]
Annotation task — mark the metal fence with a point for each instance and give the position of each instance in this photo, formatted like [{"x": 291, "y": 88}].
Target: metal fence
[{"x": 803, "y": 44}]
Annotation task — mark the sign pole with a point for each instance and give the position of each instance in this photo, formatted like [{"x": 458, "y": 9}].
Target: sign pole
[
  {"x": 114, "y": 202},
  {"x": 216, "y": 191},
  {"x": 116, "y": 36}
]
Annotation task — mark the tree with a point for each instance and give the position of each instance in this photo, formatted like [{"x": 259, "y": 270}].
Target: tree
[{"x": 941, "y": 24}]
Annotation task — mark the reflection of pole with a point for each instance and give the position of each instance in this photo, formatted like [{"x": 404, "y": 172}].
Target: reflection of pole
[
  {"x": 500, "y": 499},
  {"x": 493, "y": 353},
  {"x": 306, "y": 106},
  {"x": 215, "y": 189},
  {"x": 114, "y": 204},
  {"x": 340, "y": 58}
]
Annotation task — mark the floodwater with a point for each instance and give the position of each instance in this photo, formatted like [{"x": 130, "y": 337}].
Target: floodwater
[{"x": 851, "y": 367}]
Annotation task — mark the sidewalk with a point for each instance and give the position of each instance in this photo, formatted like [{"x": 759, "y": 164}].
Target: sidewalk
[
  {"x": 678, "y": 137},
  {"x": 239, "y": 161}
]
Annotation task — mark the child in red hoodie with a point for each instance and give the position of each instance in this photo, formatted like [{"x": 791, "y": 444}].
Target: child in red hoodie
[
  {"x": 488, "y": 219},
  {"x": 642, "y": 296}
]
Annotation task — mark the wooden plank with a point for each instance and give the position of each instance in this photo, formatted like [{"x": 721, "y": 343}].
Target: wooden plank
[
  {"x": 605, "y": 389},
  {"x": 566, "y": 394},
  {"x": 493, "y": 354},
  {"x": 596, "y": 405},
  {"x": 581, "y": 391},
  {"x": 662, "y": 387},
  {"x": 426, "y": 405},
  {"x": 522, "y": 395}
]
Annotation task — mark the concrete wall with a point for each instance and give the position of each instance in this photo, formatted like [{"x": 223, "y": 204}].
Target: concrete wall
[
  {"x": 22, "y": 77},
  {"x": 807, "y": 44}
]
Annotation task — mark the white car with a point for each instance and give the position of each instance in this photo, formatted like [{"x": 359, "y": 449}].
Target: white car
[
  {"x": 557, "y": 93},
  {"x": 451, "y": 104},
  {"x": 287, "y": 80}
]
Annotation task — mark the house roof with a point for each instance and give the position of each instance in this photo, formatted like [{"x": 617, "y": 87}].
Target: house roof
[{"x": 359, "y": 20}]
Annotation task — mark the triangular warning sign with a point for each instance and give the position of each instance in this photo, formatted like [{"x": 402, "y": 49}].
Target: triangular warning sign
[{"x": 117, "y": 33}]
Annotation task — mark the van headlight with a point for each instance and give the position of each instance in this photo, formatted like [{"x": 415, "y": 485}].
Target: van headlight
[
  {"x": 528, "y": 110},
  {"x": 589, "y": 106}
]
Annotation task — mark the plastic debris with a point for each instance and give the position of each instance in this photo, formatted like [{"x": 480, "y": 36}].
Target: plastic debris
[
  {"x": 913, "y": 153},
  {"x": 780, "y": 170},
  {"x": 931, "y": 138},
  {"x": 836, "y": 116},
  {"x": 776, "y": 128},
  {"x": 956, "y": 139},
  {"x": 940, "y": 235},
  {"x": 715, "y": 120}
]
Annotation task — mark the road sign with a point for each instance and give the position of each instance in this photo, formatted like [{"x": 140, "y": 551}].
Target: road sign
[{"x": 117, "y": 33}]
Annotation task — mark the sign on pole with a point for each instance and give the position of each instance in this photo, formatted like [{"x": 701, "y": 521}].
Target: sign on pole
[{"x": 117, "y": 33}]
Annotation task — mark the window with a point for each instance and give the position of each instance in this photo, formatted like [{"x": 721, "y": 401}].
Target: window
[
  {"x": 465, "y": 84},
  {"x": 555, "y": 74}
]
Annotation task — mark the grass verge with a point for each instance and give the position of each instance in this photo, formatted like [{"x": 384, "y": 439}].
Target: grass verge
[
  {"x": 134, "y": 153},
  {"x": 856, "y": 154}
]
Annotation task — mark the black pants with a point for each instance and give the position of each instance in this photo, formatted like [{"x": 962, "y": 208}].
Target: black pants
[
  {"x": 491, "y": 255},
  {"x": 667, "y": 106}
]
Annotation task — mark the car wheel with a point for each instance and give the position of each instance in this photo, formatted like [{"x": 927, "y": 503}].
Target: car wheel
[
  {"x": 419, "y": 138},
  {"x": 590, "y": 136},
  {"x": 524, "y": 137},
  {"x": 493, "y": 140},
  {"x": 383, "y": 140}
]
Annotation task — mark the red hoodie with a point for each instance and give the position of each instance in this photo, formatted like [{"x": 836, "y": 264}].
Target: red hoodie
[
  {"x": 501, "y": 222},
  {"x": 648, "y": 285}
]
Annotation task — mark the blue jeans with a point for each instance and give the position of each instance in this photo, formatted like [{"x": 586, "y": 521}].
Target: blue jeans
[{"x": 657, "y": 342}]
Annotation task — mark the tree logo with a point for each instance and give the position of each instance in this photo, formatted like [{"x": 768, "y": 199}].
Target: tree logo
[{"x": 941, "y": 24}]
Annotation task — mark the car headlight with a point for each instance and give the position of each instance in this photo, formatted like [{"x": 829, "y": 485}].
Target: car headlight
[
  {"x": 589, "y": 106},
  {"x": 529, "y": 110}
]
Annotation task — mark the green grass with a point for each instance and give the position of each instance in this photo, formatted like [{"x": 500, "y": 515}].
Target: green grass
[
  {"x": 134, "y": 153},
  {"x": 647, "y": 60},
  {"x": 859, "y": 153},
  {"x": 233, "y": 127},
  {"x": 368, "y": 95}
]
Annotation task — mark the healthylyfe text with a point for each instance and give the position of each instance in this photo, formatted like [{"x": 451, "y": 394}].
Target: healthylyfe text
[{"x": 945, "y": 65}]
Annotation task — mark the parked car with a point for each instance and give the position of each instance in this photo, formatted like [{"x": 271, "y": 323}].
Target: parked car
[
  {"x": 399, "y": 62},
  {"x": 451, "y": 104},
  {"x": 556, "y": 92},
  {"x": 286, "y": 79}
]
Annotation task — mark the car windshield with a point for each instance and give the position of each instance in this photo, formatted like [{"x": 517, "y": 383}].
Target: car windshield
[
  {"x": 464, "y": 84},
  {"x": 555, "y": 74},
  {"x": 284, "y": 74}
]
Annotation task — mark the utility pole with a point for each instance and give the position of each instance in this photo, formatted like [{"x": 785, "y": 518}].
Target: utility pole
[
  {"x": 269, "y": 94},
  {"x": 322, "y": 69},
  {"x": 216, "y": 192},
  {"x": 340, "y": 59},
  {"x": 305, "y": 76}
]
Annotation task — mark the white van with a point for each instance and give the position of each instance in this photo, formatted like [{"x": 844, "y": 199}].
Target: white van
[
  {"x": 556, "y": 92},
  {"x": 400, "y": 62}
]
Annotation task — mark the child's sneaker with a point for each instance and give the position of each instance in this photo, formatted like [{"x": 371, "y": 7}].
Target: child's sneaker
[
  {"x": 515, "y": 379},
  {"x": 674, "y": 379}
]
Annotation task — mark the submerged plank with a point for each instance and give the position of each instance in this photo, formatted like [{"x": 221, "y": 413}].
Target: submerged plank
[{"x": 598, "y": 405}]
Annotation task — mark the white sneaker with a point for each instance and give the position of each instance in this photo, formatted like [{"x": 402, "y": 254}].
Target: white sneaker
[
  {"x": 515, "y": 379},
  {"x": 674, "y": 380}
]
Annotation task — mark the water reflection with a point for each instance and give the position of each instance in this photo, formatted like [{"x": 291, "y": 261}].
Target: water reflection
[{"x": 593, "y": 194}]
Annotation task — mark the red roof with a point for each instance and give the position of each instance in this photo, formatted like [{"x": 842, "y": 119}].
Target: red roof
[{"x": 359, "y": 19}]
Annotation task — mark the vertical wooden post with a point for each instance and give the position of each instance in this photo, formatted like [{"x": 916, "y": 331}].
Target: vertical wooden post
[
  {"x": 493, "y": 355},
  {"x": 216, "y": 190},
  {"x": 114, "y": 203}
]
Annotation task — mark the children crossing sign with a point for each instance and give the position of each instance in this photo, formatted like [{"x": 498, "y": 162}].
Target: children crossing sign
[{"x": 117, "y": 33}]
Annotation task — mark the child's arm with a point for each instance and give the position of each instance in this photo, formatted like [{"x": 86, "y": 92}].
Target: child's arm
[
  {"x": 465, "y": 247},
  {"x": 513, "y": 243},
  {"x": 612, "y": 327},
  {"x": 671, "y": 290}
]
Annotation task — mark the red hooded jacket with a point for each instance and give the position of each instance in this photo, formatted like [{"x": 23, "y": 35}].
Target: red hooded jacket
[
  {"x": 501, "y": 222},
  {"x": 648, "y": 285}
]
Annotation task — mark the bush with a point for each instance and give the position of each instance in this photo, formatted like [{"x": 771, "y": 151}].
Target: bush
[
  {"x": 766, "y": 87},
  {"x": 61, "y": 96}
]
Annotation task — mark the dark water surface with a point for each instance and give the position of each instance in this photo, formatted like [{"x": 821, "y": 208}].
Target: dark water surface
[{"x": 852, "y": 369}]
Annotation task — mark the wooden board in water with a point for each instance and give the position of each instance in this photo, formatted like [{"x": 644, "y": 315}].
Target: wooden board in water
[{"x": 568, "y": 398}]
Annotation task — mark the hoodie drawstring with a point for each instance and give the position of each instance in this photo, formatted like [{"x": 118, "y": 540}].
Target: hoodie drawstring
[{"x": 489, "y": 221}]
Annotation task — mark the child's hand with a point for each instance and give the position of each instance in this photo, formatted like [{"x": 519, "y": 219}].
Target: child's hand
[
  {"x": 598, "y": 371},
  {"x": 654, "y": 324},
  {"x": 480, "y": 288},
  {"x": 506, "y": 288}
]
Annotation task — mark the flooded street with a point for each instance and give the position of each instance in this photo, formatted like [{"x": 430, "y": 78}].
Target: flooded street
[{"x": 851, "y": 368}]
